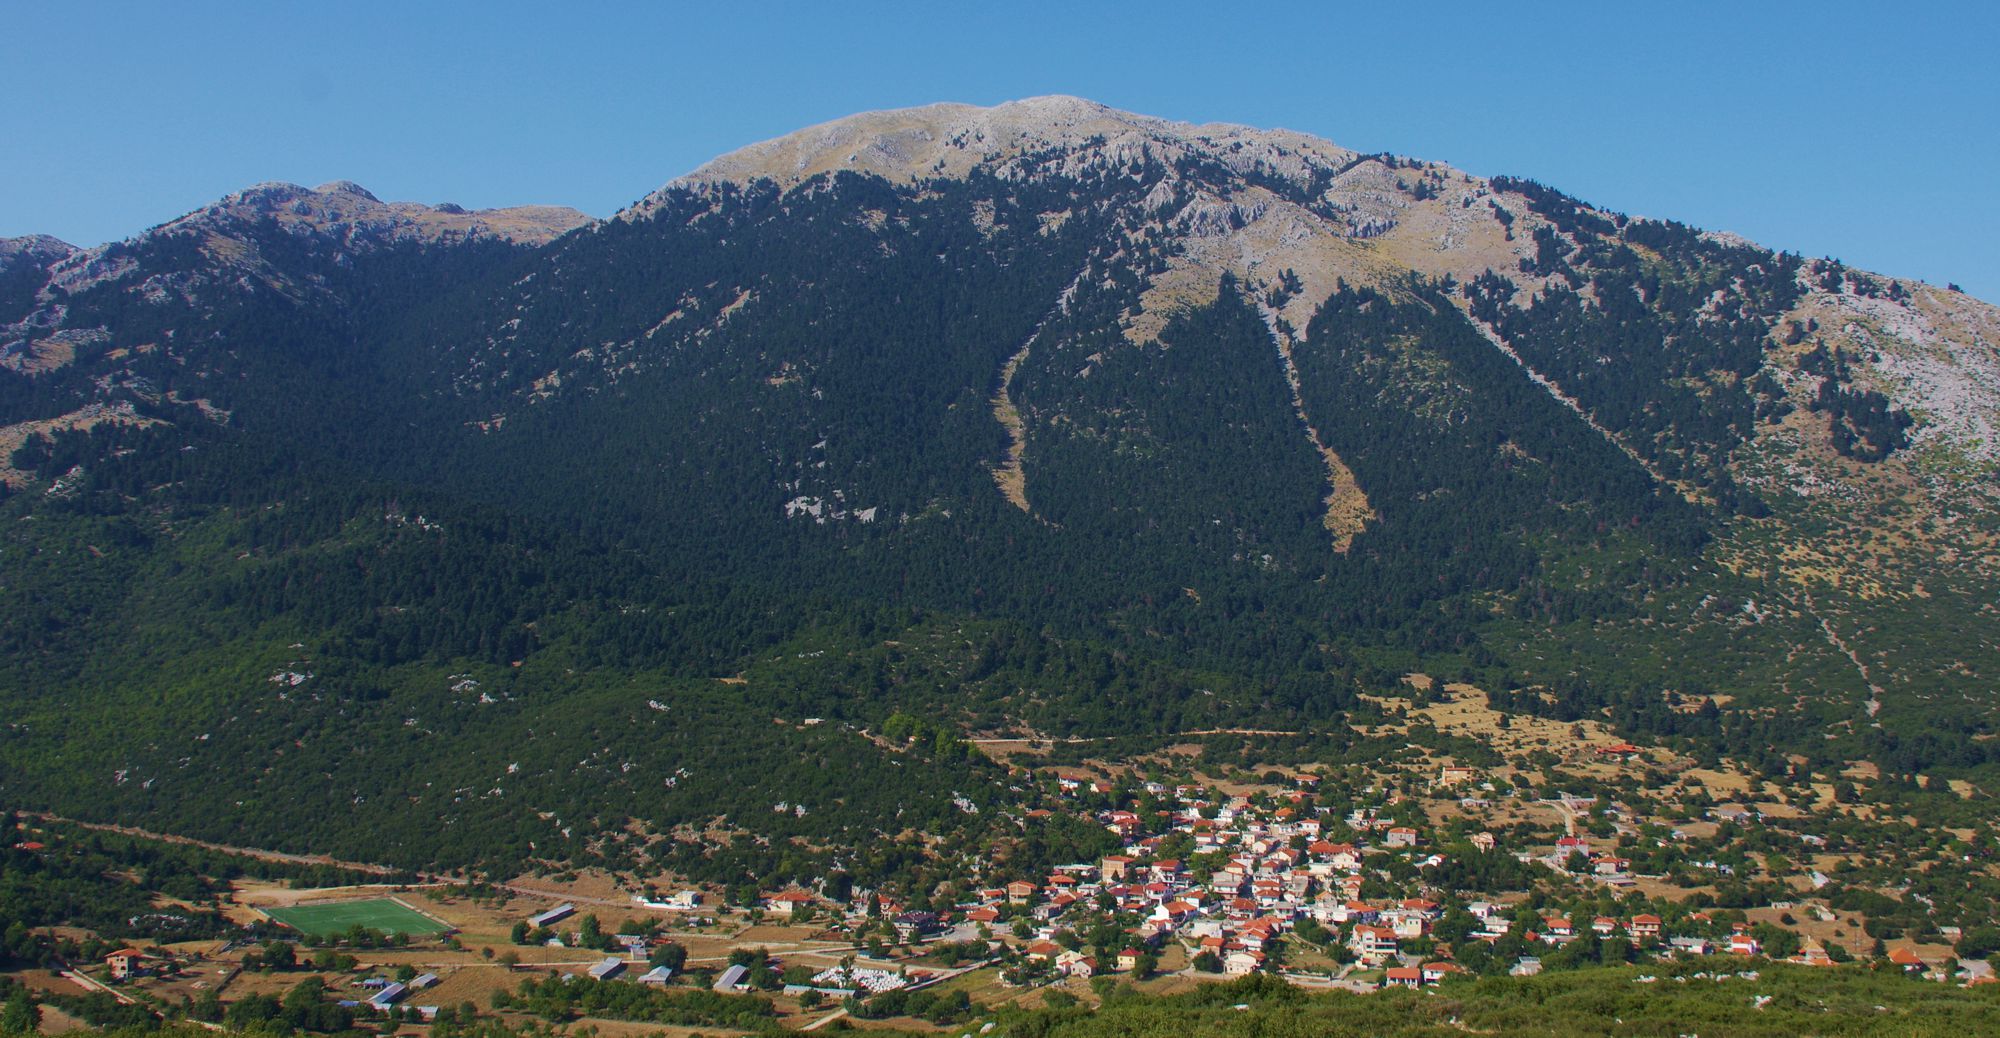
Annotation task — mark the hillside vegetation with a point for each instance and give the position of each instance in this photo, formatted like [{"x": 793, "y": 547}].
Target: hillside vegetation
[{"x": 440, "y": 542}]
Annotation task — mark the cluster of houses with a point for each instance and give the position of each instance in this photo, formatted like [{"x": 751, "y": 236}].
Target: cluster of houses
[
  {"x": 1279, "y": 864},
  {"x": 1268, "y": 866},
  {"x": 1277, "y": 867}
]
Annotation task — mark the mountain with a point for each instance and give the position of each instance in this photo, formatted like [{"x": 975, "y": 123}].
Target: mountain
[
  {"x": 269, "y": 241},
  {"x": 34, "y": 252},
  {"x": 510, "y": 535}
]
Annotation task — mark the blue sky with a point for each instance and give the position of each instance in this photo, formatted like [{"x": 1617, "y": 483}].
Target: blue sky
[{"x": 1862, "y": 131}]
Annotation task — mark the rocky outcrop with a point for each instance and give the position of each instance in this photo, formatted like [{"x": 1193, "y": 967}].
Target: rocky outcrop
[
  {"x": 343, "y": 211},
  {"x": 37, "y": 250},
  {"x": 949, "y": 140}
]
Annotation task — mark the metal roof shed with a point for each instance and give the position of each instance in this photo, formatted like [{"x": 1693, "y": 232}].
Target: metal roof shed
[{"x": 732, "y": 978}]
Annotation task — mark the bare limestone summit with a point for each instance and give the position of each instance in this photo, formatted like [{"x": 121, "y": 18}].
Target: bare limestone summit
[{"x": 1290, "y": 207}]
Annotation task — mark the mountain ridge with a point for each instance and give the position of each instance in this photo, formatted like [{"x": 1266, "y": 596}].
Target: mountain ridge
[
  {"x": 1255, "y": 234},
  {"x": 1290, "y": 216},
  {"x": 955, "y": 133},
  {"x": 1106, "y": 426}
]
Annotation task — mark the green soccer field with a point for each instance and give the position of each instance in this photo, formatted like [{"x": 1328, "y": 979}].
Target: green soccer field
[{"x": 340, "y": 916}]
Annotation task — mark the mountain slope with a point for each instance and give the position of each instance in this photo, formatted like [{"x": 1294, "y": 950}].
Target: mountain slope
[
  {"x": 156, "y": 323},
  {"x": 1042, "y": 418}
]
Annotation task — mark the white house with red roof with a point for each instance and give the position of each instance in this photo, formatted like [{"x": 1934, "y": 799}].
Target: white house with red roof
[
  {"x": 1240, "y": 962},
  {"x": 1402, "y": 977},
  {"x": 788, "y": 903},
  {"x": 1373, "y": 942}
]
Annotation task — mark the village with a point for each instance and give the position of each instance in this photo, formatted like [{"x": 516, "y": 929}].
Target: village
[{"x": 1340, "y": 877}]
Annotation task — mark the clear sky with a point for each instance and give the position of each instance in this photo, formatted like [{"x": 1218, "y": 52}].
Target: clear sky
[{"x": 1868, "y": 132}]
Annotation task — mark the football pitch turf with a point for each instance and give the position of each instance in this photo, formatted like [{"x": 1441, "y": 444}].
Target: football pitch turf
[{"x": 337, "y": 917}]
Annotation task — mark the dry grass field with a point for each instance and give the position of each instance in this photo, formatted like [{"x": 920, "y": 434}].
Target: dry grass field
[{"x": 1466, "y": 710}]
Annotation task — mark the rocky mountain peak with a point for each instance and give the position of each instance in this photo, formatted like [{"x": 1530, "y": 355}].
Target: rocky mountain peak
[
  {"x": 345, "y": 187},
  {"x": 1255, "y": 203},
  {"x": 349, "y": 214},
  {"x": 36, "y": 249},
  {"x": 951, "y": 139},
  {"x": 345, "y": 209},
  {"x": 1290, "y": 217},
  {"x": 34, "y": 244}
]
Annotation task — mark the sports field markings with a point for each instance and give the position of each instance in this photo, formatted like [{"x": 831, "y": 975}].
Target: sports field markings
[{"x": 331, "y": 918}]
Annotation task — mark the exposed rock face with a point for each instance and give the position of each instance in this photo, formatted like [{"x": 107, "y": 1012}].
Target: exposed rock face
[
  {"x": 24, "y": 266},
  {"x": 1935, "y": 353}
]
